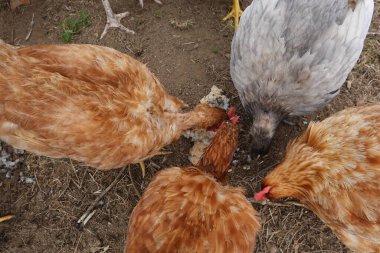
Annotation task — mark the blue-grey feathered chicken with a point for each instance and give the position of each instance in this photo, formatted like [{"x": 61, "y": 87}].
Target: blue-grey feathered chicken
[{"x": 290, "y": 57}]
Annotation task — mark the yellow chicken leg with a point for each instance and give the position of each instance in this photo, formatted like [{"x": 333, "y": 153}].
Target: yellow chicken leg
[
  {"x": 142, "y": 164},
  {"x": 142, "y": 167},
  {"x": 235, "y": 13},
  {"x": 5, "y": 218}
]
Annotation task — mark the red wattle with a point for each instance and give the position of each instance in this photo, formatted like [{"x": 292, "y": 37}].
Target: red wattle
[
  {"x": 261, "y": 195},
  {"x": 231, "y": 112}
]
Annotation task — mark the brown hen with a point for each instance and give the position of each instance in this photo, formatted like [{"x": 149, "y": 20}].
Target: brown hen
[
  {"x": 334, "y": 169},
  {"x": 188, "y": 210},
  {"x": 89, "y": 103}
]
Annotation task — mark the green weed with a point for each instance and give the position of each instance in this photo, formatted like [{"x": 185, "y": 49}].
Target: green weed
[
  {"x": 215, "y": 50},
  {"x": 74, "y": 25},
  {"x": 157, "y": 14}
]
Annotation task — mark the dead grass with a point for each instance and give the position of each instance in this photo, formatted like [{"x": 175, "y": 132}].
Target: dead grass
[{"x": 182, "y": 25}]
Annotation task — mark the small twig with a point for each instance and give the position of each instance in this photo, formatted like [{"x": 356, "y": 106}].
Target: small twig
[
  {"x": 288, "y": 122},
  {"x": 155, "y": 165},
  {"x": 83, "y": 218},
  {"x": 13, "y": 36},
  {"x": 88, "y": 217},
  {"x": 130, "y": 50},
  {"x": 82, "y": 180},
  {"x": 269, "y": 203},
  {"x": 142, "y": 2},
  {"x": 373, "y": 33},
  {"x": 30, "y": 30},
  {"x": 38, "y": 185},
  {"x": 133, "y": 183},
  {"x": 188, "y": 43},
  {"x": 72, "y": 165},
  {"x": 76, "y": 246},
  {"x": 270, "y": 166}
]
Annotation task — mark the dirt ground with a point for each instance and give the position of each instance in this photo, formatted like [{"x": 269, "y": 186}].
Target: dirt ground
[{"x": 187, "y": 46}]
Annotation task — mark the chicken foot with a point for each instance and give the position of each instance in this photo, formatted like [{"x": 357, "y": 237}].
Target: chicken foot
[
  {"x": 142, "y": 2},
  {"x": 142, "y": 164},
  {"x": 142, "y": 168},
  {"x": 235, "y": 13},
  {"x": 133, "y": 183},
  {"x": 113, "y": 20}
]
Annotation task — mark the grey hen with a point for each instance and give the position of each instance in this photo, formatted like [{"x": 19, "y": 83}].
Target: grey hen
[{"x": 290, "y": 57}]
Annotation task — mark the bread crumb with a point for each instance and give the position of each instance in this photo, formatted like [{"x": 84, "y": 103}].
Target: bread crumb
[{"x": 202, "y": 138}]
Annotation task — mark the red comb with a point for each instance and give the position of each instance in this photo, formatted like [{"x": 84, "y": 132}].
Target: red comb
[
  {"x": 231, "y": 112},
  {"x": 260, "y": 196},
  {"x": 235, "y": 119}
]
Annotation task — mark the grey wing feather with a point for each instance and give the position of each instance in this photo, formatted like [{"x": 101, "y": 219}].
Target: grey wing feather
[{"x": 296, "y": 54}]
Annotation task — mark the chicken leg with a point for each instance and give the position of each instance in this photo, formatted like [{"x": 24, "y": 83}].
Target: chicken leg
[
  {"x": 113, "y": 20},
  {"x": 142, "y": 168},
  {"x": 142, "y": 164},
  {"x": 142, "y": 2},
  {"x": 235, "y": 13}
]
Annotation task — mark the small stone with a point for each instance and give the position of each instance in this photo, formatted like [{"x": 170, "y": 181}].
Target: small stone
[
  {"x": 246, "y": 167},
  {"x": 8, "y": 175},
  {"x": 349, "y": 84}
]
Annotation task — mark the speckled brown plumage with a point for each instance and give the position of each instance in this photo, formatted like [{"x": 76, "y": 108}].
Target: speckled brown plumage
[
  {"x": 188, "y": 210},
  {"x": 216, "y": 158},
  {"x": 334, "y": 169},
  {"x": 90, "y": 103}
]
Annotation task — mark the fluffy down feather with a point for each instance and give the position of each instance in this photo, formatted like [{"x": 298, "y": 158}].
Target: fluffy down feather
[
  {"x": 188, "y": 210},
  {"x": 290, "y": 57},
  {"x": 334, "y": 169},
  {"x": 90, "y": 103}
]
